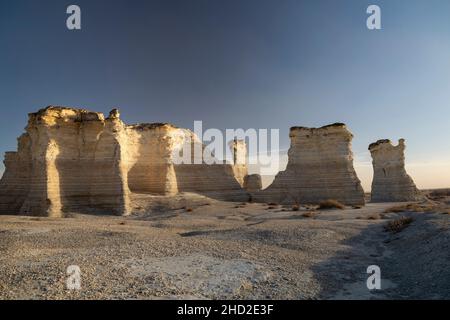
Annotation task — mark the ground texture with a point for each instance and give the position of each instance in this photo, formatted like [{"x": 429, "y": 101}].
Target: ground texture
[{"x": 197, "y": 248}]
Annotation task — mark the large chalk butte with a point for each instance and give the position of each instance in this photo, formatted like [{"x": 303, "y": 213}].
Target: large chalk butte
[
  {"x": 390, "y": 182},
  {"x": 320, "y": 167},
  {"x": 73, "y": 159}
]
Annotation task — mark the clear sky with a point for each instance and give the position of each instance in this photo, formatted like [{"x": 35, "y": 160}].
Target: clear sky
[{"x": 240, "y": 63}]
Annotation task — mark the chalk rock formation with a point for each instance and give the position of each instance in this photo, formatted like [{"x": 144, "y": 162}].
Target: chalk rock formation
[
  {"x": 239, "y": 152},
  {"x": 252, "y": 183},
  {"x": 74, "y": 158},
  {"x": 67, "y": 157},
  {"x": 320, "y": 167},
  {"x": 390, "y": 182},
  {"x": 216, "y": 179}
]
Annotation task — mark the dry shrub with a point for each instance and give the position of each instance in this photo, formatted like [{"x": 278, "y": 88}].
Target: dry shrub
[
  {"x": 331, "y": 204},
  {"x": 439, "y": 194},
  {"x": 374, "y": 216},
  {"x": 309, "y": 214},
  {"x": 122, "y": 223},
  {"x": 398, "y": 224},
  {"x": 271, "y": 207},
  {"x": 189, "y": 209},
  {"x": 413, "y": 207},
  {"x": 295, "y": 207}
]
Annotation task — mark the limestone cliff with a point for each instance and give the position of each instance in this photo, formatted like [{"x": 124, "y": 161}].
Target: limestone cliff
[
  {"x": 320, "y": 167},
  {"x": 67, "y": 157},
  {"x": 219, "y": 180},
  {"x": 75, "y": 159},
  {"x": 390, "y": 182}
]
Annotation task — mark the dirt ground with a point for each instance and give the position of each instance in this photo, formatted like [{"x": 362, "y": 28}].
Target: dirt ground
[{"x": 193, "y": 247}]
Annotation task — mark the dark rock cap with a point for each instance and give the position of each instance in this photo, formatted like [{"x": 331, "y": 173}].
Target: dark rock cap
[
  {"x": 382, "y": 141},
  {"x": 336, "y": 124},
  {"x": 149, "y": 126}
]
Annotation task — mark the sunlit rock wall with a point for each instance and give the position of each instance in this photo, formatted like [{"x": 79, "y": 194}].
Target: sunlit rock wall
[
  {"x": 74, "y": 159},
  {"x": 390, "y": 182},
  {"x": 320, "y": 167}
]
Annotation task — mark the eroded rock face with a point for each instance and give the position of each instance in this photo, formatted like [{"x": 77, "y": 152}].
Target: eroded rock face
[
  {"x": 320, "y": 167},
  {"x": 67, "y": 158},
  {"x": 74, "y": 158},
  {"x": 253, "y": 183},
  {"x": 390, "y": 182},
  {"x": 218, "y": 180}
]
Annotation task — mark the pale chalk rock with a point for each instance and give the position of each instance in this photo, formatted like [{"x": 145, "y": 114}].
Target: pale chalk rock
[
  {"x": 320, "y": 167},
  {"x": 75, "y": 159},
  {"x": 390, "y": 182}
]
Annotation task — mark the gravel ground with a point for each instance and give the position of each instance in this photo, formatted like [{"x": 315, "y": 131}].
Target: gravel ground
[{"x": 192, "y": 247}]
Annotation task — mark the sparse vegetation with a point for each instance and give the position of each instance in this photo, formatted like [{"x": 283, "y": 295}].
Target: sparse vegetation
[
  {"x": 309, "y": 214},
  {"x": 189, "y": 210},
  {"x": 295, "y": 207},
  {"x": 398, "y": 224},
  {"x": 272, "y": 204},
  {"x": 438, "y": 194},
  {"x": 413, "y": 207},
  {"x": 374, "y": 216},
  {"x": 331, "y": 204}
]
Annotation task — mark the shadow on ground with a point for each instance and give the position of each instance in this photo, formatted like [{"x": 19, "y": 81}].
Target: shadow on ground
[{"x": 413, "y": 262}]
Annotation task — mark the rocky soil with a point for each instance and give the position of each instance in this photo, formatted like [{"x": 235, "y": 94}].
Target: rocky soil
[{"x": 194, "y": 247}]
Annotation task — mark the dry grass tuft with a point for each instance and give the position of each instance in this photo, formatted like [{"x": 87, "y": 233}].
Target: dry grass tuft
[
  {"x": 309, "y": 214},
  {"x": 374, "y": 216},
  {"x": 413, "y": 207},
  {"x": 331, "y": 204},
  {"x": 398, "y": 224}
]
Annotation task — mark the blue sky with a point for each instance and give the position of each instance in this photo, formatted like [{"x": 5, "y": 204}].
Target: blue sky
[{"x": 233, "y": 64}]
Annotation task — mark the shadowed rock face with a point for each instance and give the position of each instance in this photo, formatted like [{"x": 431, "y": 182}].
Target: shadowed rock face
[
  {"x": 320, "y": 167},
  {"x": 390, "y": 182},
  {"x": 74, "y": 158},
  {"x": 253, "y": 183}
]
